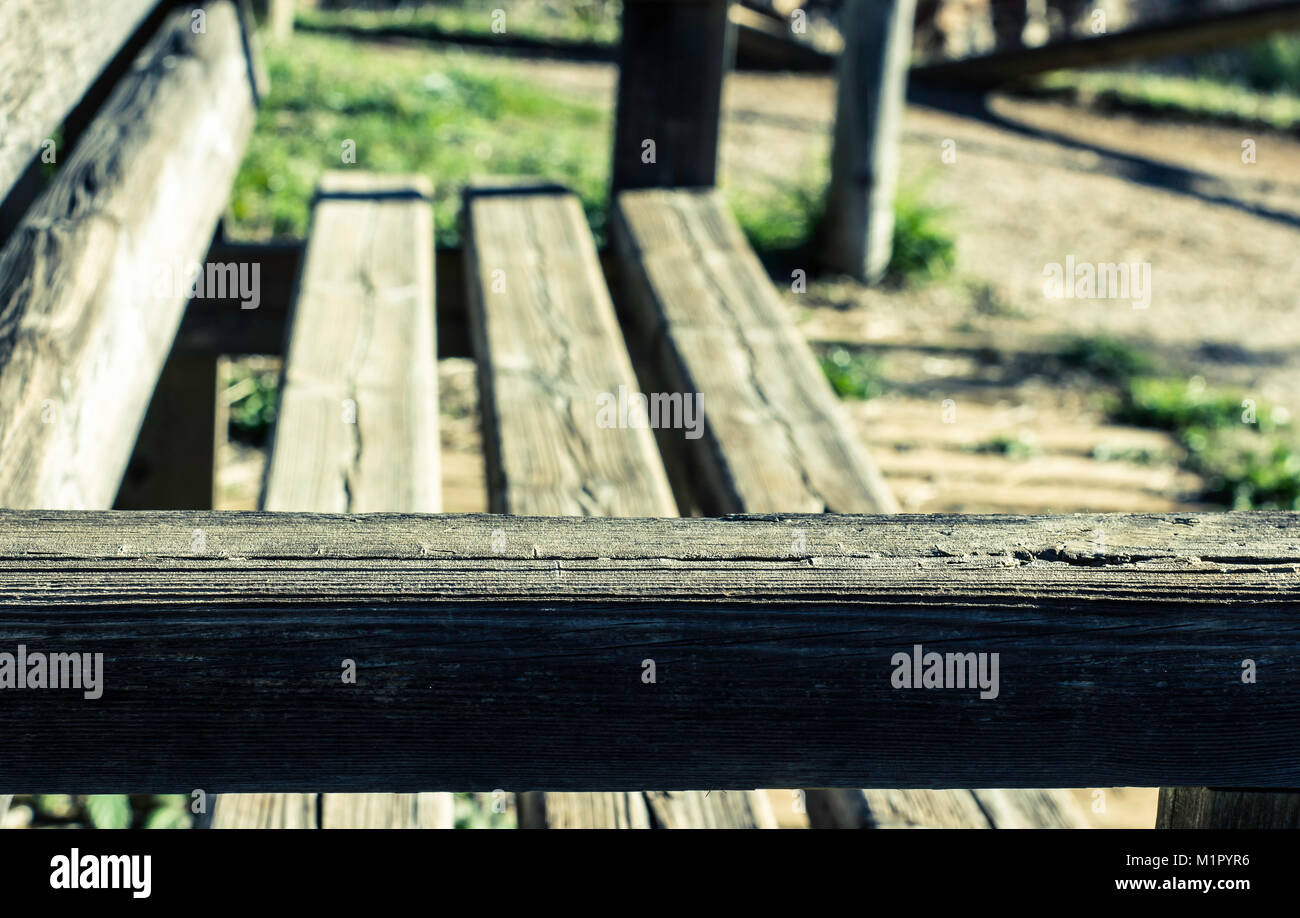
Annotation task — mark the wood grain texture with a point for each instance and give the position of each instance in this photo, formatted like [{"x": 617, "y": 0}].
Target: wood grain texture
[
  {"x": 775, "y": 438},
  {"x": 672, "y": 61},
  {"x": 548, "y": 345},
  {"x": 54, "y": 50},
  {"x": 856, "y": 234},
  {"x": 499, "y": 651},
  {"x": 89, "y": 298},
  {"x": 1217, "y": 808},
  {"x": 357, "y": 426}
]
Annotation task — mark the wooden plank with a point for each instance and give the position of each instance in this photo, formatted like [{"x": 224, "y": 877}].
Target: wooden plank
[
  {"x": 1183, "y": 35},
  {"x": 895, "y": 809},
  {"x": 548, "y": 348},
  {"x": 775, "y": 437},
  {"x": 871, "y": 80},
  {"x": 357, "y": 427},
  {"x": 501, "y": 651},
  {"x": 672, "y": 61},
  {"x": 1217, "y": 808},
  {"x": 54, "y": 51},
  {"x": 174, "y": 461},
  {"x": 90, "y": 292},
  {"x": 264, "y": 811},
  {"x": 387, "y": 811}
]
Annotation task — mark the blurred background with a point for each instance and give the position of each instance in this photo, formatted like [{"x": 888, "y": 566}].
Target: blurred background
[{"x": 972, "y": 388}]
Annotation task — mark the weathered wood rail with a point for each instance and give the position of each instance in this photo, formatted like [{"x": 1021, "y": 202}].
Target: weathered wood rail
[{"x": 497, "y": 651}]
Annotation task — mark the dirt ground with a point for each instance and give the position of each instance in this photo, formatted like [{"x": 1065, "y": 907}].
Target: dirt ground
[{"x": 1032, "y": 182}]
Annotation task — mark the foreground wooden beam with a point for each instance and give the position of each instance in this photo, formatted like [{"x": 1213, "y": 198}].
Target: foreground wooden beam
[
  {"x": 496, "y": 651},
  {"x": 92, "y": 282}
]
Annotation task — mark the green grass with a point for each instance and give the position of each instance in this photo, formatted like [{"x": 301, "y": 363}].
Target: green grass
[
  {"x": 923, "y": 246},
  {"x": 595, "y": 21},
  {"x": 853, "y": 374},
  {"x": 1020, "y": 446},
  {"x": 1193, "y": 97},
  {"x": 449, "y": 116},
  {"x": 111, "y": 811},
  {"x": 1245, "y": 450},
  {"x": 253, "y": 392}
]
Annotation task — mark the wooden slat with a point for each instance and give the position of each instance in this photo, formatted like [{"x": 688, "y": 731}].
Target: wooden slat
[
  {"x": 54, "y": 50},
  {"x": 548, "y": 346},
  {"x": 521, "y": 667},
  {"x": 775, "y": 437},
  {"x": 89, "y": 292},
  {"x": 357, "y": 428}
]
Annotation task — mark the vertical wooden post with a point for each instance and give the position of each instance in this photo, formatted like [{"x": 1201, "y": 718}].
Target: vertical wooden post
[
  {"x": 858, "y": 227},
  {"x": 175, "y": 455},
  {"x": 1211, "y": 808},
  {"x": 276, "y": 17},
  {"x": 673, "y": 58}
]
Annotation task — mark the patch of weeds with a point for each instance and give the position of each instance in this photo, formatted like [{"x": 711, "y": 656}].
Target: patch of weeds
[
  {"x": 1106, "y": 358},
  {"x": 782, "y": 217},
  {"x": 853, "y": 374},
  {"x": 923, "y": 246},
  {"x": 1021, "y": 446},
  {"x": 110, "y": 811},
  {"x": 475, "y": 811},
  {"x": 1246, "y": 451},
  {"x": 253, "y": 394}
]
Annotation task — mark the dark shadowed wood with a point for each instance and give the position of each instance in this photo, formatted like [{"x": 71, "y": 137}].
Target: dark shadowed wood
[
  {"x": 357, "y": 427},
  {"x": 174, "y": 459},
  {"x": 90, "y": 292},
  {"x": 1183, "y": 35},
  {"x": 775, "y": 438},
  {"x": 871, "y": 79},
  {"x": 54, "y": 50},
  {"x": 672, "y": 62},
  {"x": 548, "y": 347},
  {"x": 489, "y": 660},
  {"x": 1216, "y": 808}
]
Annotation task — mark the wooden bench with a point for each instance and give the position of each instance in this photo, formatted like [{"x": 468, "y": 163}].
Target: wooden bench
[
  {"x": 549, "y": 354},
  {"x": 357, "y": 426},
  {"x": 511, "y": 650}
]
